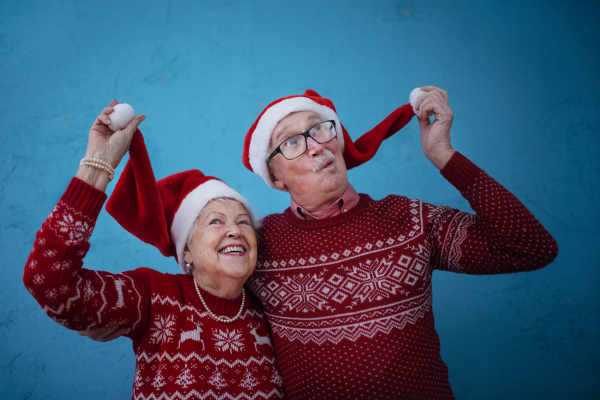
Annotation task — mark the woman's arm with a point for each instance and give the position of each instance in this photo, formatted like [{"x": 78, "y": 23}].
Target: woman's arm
[{"x": 75, "y": 297}]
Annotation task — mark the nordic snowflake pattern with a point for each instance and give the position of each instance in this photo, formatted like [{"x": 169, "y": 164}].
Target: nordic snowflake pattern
[
  {"x": 76, "y": 229},
  {"x": 228, "y": 340},
  {"x": 162, "y": 331}
]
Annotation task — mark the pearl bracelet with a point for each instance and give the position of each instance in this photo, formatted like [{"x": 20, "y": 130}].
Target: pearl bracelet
[{"x": 99, "y": 164}]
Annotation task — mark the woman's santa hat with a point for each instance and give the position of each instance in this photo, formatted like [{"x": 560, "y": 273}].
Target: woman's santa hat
[
  {"x": 163, "y": 213},
  {"x": 258, "y": 138}
]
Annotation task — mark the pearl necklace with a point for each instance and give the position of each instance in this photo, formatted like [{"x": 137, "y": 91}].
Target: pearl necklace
[{"x": 213, "y": 315}]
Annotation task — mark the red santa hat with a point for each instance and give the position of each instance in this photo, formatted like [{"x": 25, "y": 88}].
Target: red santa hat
[
  {"x": 258, "y": 138},
  {"x": 163, "y": 213}
]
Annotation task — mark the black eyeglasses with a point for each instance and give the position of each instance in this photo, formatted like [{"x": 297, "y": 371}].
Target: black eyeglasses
[{"x": 295, "y": 146}]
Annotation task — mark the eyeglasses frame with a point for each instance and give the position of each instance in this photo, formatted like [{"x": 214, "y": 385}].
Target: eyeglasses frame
[{"x": 306, "y": 135}]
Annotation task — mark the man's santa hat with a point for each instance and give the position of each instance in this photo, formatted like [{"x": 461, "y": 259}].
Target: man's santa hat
[
  {"x": 163, "y": 213},
  {"x": 258, "y": 138}
]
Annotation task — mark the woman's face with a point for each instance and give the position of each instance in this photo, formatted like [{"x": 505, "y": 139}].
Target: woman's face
[{"x": 223, "y": 244}]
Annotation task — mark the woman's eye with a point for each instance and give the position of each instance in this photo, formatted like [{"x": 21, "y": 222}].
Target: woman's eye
[
  {"x": 214, "y": 222},
  {"x": 245, "y": 222}
]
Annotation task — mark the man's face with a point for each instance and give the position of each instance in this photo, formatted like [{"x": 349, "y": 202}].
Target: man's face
[{"x": 319, "y": 173}]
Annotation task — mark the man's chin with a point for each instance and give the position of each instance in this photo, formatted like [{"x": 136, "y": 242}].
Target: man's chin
[{"x": 333, "y": 184}]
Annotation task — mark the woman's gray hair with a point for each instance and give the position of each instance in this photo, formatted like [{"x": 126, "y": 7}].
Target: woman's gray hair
[{"x": 254, "y": 222}]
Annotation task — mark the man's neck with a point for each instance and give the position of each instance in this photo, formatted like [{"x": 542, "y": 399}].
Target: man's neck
[{"x": 334, "y": 206}]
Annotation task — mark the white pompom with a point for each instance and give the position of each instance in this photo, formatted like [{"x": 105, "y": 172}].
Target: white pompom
[
  {"x": 122, "y": 115},
  {"x": 414, "y": 95}
]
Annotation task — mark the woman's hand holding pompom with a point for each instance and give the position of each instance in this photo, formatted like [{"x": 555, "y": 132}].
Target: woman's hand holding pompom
[{"x": 107, "y": 146}]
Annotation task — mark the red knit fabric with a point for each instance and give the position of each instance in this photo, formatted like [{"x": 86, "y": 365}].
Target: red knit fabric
[
  {"x": 348, "y": 298},
  {"x": 181, "y": 353}
]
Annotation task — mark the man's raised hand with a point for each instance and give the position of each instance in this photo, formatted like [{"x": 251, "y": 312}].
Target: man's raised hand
[{"x": 435, "y": 136}]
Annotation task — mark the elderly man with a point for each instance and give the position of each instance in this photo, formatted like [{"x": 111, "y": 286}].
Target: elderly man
[{"x": 345, "y": 280}]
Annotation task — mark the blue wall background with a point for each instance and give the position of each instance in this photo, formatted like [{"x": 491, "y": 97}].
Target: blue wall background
[{"x": 524, "y": 87}]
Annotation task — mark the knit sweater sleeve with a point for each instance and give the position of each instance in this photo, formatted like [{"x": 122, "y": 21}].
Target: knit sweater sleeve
[
  {"x": 502, "y": 236},
  {"x": 75, "y": 297}
]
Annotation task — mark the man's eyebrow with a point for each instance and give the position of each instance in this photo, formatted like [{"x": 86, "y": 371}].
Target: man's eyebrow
[
  {"x": 285, "y": 129},
  {"x": 282, "y": 132},
  {"x": 314, "y": 117}
]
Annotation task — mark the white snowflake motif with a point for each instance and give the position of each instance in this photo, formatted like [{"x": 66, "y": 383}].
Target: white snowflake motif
[
  {"x": 88, "y": 291},
  {"x": 162, "y": 331},
  {"x": 38, "y": 279},
  {"x": 304, "y": 293},
  {"x": 228, "y": 340},
  {"x": 77, "y": 230},
  {"x": 51, "y": 294},
  {"x": 374, "y": 281},
  {"x": 32, "y": 264},
  {"x": 41, "y": 241},
  {"x": 50, "y": 253}
]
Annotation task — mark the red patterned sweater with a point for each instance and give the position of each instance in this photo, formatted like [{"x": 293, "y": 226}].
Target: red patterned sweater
[
  {"x": 348, "y": 298},
  {"x": 181, "y": 353}
]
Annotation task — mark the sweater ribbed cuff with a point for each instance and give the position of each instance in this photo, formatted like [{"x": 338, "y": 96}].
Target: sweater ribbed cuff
[
  {"x": 84, "y": 198},
  {"x": 459, "y": 171}
]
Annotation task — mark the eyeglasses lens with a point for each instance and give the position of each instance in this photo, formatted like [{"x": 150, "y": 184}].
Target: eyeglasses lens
[{"x": 296, "y": 145}]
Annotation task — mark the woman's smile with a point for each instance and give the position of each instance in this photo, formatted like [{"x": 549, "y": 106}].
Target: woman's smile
[{"x": 233, "y": 250}]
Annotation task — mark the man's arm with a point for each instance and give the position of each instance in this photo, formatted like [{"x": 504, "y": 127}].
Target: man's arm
[{"x": 502, "y": 236}]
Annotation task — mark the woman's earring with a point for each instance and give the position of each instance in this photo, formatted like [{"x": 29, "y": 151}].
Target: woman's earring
[{"x": 188, "y": 266}]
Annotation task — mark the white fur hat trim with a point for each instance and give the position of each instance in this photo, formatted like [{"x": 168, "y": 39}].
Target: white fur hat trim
[
  {"x": 191, "y": 206},
  {"x": 414, "y": 95},
  {"x": 261, "y": 137}
]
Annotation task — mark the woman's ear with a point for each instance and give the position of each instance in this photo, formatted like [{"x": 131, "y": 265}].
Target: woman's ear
[{"x": 187, "y": 255}]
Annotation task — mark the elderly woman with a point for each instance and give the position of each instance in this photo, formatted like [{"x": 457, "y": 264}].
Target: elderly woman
[{"x": 196, "y": 334}]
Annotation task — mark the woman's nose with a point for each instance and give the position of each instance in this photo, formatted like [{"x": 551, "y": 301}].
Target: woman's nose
[{"x": 234, "y": 231}]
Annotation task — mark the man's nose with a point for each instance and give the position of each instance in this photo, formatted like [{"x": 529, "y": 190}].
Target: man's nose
[{"x": 314, "y": 148}]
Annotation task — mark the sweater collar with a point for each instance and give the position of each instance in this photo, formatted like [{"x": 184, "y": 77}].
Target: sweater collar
[
  {"x": 348, "y": 200},
  {"x": 220, "y": 306},
  {"x": 340, "y": 218}
]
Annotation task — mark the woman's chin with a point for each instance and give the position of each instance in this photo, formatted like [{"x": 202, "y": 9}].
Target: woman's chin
[{"x": 238, "y": 267}]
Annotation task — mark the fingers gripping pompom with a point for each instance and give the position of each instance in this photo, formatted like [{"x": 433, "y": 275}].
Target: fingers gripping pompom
[
  {"x": 414, "y": 95},
  {"x": 122, "y": 115}
]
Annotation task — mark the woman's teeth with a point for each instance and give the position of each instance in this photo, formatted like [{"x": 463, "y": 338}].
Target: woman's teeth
[{"x": 232, "y": 250}]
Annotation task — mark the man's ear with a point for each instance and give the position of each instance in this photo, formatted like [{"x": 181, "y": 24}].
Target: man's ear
[{"x": 278, "y": 184}]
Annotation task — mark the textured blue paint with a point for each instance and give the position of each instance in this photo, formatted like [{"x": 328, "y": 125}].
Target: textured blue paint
[{"x": 524, "y": 86}]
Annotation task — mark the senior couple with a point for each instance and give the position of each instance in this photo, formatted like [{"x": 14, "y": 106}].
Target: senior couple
[{"x": 343, "y": 280}]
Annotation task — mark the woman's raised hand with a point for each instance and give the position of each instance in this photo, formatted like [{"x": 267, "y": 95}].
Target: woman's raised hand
[{"x": 106, "y": 145}]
